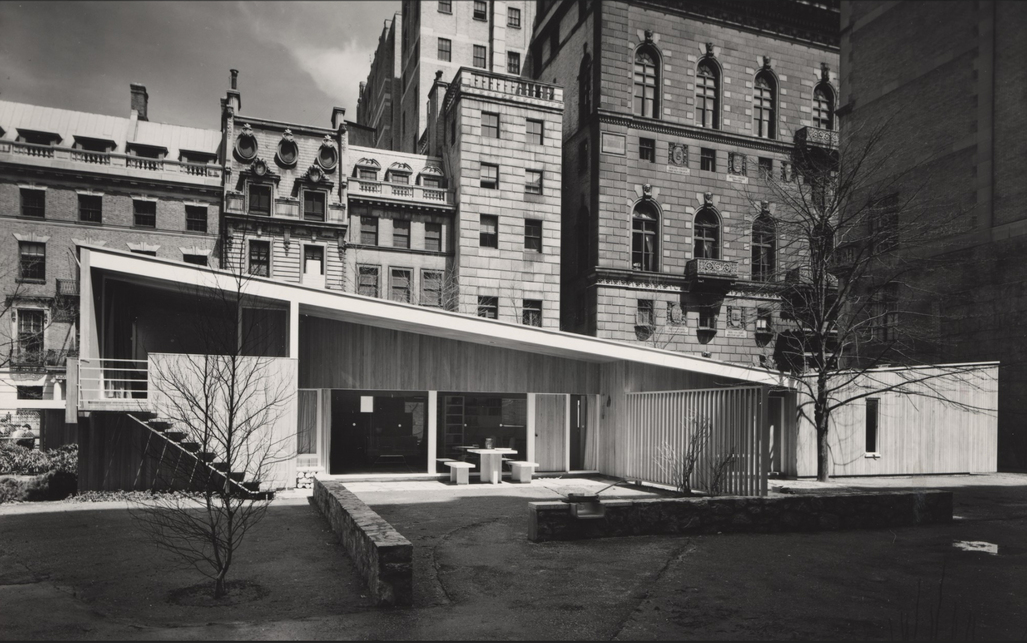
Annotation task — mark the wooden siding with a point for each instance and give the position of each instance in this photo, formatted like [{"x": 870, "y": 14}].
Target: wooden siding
[
  {"x": 116, "y": 453},
  {"x": 660, "y": 426},
  {"x": 336, "y": 354},
  {"x": 306, "y": 430},
  {"x": 917, "y": 434},
  {"x": 550, "y": 430}
]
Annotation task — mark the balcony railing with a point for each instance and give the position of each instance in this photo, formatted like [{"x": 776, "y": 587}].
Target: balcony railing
[
  {"x": 400, "y": 191},
  {"x": 815, "y": 137},
  {"x": 111, "y": 159},
  {"x": 509, "y": 85},
  {"x": 67, "y": 287},
  {"x": 711, "y": 274},
  {"x": 106, "y": 382}
]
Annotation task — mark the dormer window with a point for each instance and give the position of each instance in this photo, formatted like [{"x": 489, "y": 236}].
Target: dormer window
[
  {"x": 99, "y": 145},
  {"x": 399, "y": 173},
  {"x": 36, "y": 137},
  {"x": 367, "y": 169},
  {"x": 202, "y": 158},
  {"x": 397, "y": 177},
  {"x": 431, "y": 177},
  {"x": 142, "y": 150}
]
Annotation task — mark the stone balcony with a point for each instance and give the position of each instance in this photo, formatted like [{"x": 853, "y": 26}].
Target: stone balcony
[
  {"x": 64, "y": 158},
  {"x": 809, "y": 138},
  {"x": 506, "y": 87},
  {"x": 383, "y": 190},
  {"x": 285, "y": 209},
  {"x": 711, "y": 275}
]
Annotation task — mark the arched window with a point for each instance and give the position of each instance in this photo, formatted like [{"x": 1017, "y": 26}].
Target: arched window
[
  {"x": 645, "y": 223},
  {"x": 707, "y": 89},
  {"x": 707, "y": 235},
  {"x": 823, "y": 106},
  {"x": 763, "y": 106},
  {"x": 764, "y": 248},
  {"x": 647, "y": 83}
]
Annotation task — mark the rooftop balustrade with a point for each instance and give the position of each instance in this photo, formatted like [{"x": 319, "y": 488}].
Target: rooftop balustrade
[{"x": 400, "y": 191}]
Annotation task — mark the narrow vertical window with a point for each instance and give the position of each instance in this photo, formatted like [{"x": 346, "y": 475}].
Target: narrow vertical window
[
  {"x": 195, "y": 218},
  {"x": 90, "y": 208},
  {"x": 489, "y": 176},
  {"x": 31, "y": 261},
  {"x": 872, "y": 422},
  {"x": 369, "y": 231},
  {"x": 644, "y": 240},
  {"x": 400, "y": 233},
  {"x": 763, "y": 246},
  {"x": 431, "y": 288},
  {"x": 260, "y": 258},
  {"x": 766, "y": 168},
  {"x": 145, "y": 213},
  {"x": 445, "y": 49},
  {"x": 513, "y": 18},
  {"x": 706, "y": 235},
  {"x": 433, "y": 237},
  {"x": 707, "y": 159},
  {"x": 445, "y": 6},
  {"x": 489, "y": 125},
  {"x": 513, "y": 63},
  {"x": 481, "y": 9},
  {"x": 533, "y": 235},
  {"x": 646, "y": 83},
  {"x": 533, "y": 181},
  {"x": 534, "y": 130},
  {"x": 313, "y": 206},
  {"x": 260, "y": 199},
  {"x": 647, "y": 149},
  {"x": 707, "y": 78},
  {"x": 645, "y": 313},
  {"x": 531, "y": 312},
  {"x": 480, "y": 54},
  {"x": 33, "y": 203},
  {"x": 823, "y": 107},
  {"x": 488, "y": 236},
  {"x": 31, "y": 322},
  {"x": 399, "y": 285},
  {"x": 763, "y": 107},
  {"x": 367, "y": 281}
]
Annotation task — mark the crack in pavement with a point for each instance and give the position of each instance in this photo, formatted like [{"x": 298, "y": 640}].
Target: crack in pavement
[
  {"x": 442, "y": 541},
  {"x": 675, "y": 556}
]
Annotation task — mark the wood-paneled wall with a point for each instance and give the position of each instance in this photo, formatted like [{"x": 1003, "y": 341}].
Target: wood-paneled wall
[
  {"x": 918, "y": 433},
  {"x": 550, "y": 430},
  {"x": 336, "y": 354}
]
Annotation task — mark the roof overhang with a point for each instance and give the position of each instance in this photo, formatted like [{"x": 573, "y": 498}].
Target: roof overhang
[{"x": 402, "y": 317}]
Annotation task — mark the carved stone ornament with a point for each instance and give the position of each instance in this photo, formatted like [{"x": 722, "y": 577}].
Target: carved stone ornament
[
  {"x": 287, "y": 152},
  {"x": 737, "y": 163},
  {"x": 647, "y": 191},
  {"x": 678, "y": 154},
  {"x": 649, "y": 36},
  {"x": 246, "y": 144},
  {"x": 766, "y": 62},
  {"x": 764, "y": 207},
  {"x": 707, "y": 198},
  {"x": 709, "y": 49},
  {"x": 327, "y": 154},
  {"x": 315, "y": 174},
  {"x": 259, "y": 167},
  {"x": 825, "y": 72}
]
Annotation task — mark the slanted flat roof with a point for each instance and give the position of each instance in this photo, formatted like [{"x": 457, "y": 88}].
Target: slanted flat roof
[{"x": 348, "y": 307}]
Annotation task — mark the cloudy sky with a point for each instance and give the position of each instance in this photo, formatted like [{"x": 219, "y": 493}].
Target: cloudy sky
[{"x": 296, "y": 60}]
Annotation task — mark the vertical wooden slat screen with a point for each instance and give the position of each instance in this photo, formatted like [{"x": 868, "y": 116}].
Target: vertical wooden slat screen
[
  {"x": 306, "y": 429},
  {"x": 658, "y": 427}
]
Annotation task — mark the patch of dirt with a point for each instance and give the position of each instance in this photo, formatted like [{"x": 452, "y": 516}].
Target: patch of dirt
[{"x": 202, "y": 595}]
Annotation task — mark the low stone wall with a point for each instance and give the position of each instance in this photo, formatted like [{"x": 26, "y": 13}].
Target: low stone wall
[
  {"x": 771, "y": 514},
  {"x": 382, "y": 555}
]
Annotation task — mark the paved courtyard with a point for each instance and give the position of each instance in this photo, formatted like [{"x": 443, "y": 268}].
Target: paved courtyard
[{"x": 81, "y": 571}]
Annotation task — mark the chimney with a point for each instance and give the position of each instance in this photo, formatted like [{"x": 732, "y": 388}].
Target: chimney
[
  {"x": 234, "y": 99},
  {"x": 140, "y": 99},
  {"x": 338, "y": 117}
]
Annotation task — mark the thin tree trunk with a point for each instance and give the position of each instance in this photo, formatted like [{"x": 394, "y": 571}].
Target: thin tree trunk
[{"x": 820, "y": 418}]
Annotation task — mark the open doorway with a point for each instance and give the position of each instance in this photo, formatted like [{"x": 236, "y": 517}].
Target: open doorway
[{"x": 379, "y": 432}]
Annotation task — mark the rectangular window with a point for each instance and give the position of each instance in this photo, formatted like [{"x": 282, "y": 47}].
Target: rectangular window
[
  {"x": 489, "y": 231},
  {"x": 445, "y": 49},
  {"x": 445, "y": 6},
  {"x": 30, "y": 336},
  {"x": 260, "y": 258},
  {"x": 531, "y": 313},
  {"x": 873, "y": 416},
  {"x": 489, "y": 125},
  {"x": 399, "y": 285},
  {"x": 431, "y": 288},
  {"x": 145, "y": 213},
  {"x": 535, "y": 132},
  {"x": 33, "y": 203},
  {"x": 708, "y": 159},
  {"x": 433, "y": 237},
  {"x": 707, "y": 318},
  {"x": 32, "y": 261},
  {"x": 513, "y": 63},
  {"x": 647, "y": 149},
  {"x": 30, "y": 392},
  {"x": 481, "y": 10},
  {"x": 196, "y": 260},
  {"x": 489, "y": 176},
  {"x": 90, "y": 208},
  {"x": 488, "y": 307},
  {"x": 367, "y": 281},
  {"x": 533, "y": 235},
  {"x": 313, "y": 206},
  {"x": 764, "y": 321},
  {"x": 766, "y": 168},
  {"x": 260, "y": 200},
  {"x": 196, "y": 218},
  {"x": 479, "y": 56},
  {"x": 513, "y": 18},
  {"x": 147, "y": 253},
  {"x": 369, "y": 231},
  {"x": 367, "y": 174},
  {"x": 533, "y": 181},
  {"x": 645, "y": 313},
  {"x": 400, "y": 233},
  {"x": 431, "y": 182}
]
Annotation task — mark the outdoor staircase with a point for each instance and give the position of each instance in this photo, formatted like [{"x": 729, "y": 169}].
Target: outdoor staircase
[{"x": 200, "y": 468}]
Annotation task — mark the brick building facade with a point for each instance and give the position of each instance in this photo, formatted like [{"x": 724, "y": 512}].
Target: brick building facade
[
  {"x": 673, "y": 113},
  {"x": 948, "y": 78},
  {"x": 70, "y": 178}
]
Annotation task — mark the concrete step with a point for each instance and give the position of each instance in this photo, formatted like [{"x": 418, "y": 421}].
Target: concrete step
[
  {"x": 191, "y": 447},
  {"x": 175, "y": 436}
]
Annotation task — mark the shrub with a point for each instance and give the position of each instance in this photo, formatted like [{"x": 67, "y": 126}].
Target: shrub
[{"x": 17, "y": 460}]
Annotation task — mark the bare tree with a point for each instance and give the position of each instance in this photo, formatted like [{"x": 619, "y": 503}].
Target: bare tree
[
  {"x": 848, "y": 247},
  {"x": 224, "y": 407}
]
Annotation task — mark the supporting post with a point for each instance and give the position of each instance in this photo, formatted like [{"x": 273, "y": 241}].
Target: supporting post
[
  {"x": 764, "y": 439},
  {"x": 531, "y": 427},
  {"x": 433, "y": 429},
  {"x": 294, "y": 329},
  {"x": 566, "y": 432}
]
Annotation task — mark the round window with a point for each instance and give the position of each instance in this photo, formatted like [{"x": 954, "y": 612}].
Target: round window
[
  {"x": 287, "y": 153},
  {"x": 246, "y": 147},
  {"x": 327, "y": 157}
]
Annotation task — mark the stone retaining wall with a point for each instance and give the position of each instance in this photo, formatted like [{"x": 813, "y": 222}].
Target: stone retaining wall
[
  {"x": 554, "y": 521},
  {"x": 382, "y": 555}
]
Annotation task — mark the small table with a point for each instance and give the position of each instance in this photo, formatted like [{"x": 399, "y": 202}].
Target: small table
[{"x": 492, "y": 463}]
